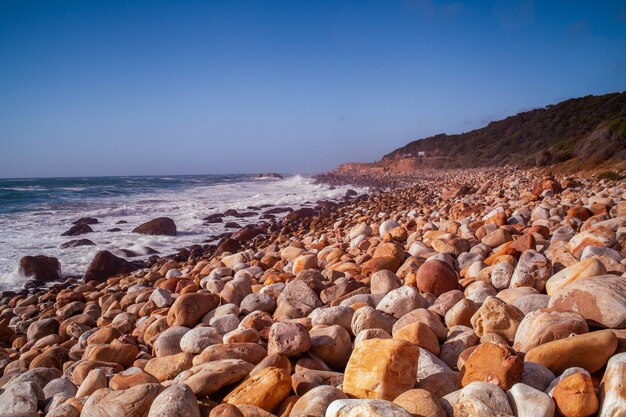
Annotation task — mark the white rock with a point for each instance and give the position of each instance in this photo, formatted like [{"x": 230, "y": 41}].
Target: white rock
[
  {"x": 20, "y": 397},
  {"x": 387, "y": 226},
  {"x": 612, "y": 392},
  {"x": 365, "y": 408},
  {"x": 161, "y": 298},
  {"x": 197, "y": 339},
  {"x": 175, "y": 401},
  {"x": 489, "y": 394},
  {"x": 526, "y": 401}
]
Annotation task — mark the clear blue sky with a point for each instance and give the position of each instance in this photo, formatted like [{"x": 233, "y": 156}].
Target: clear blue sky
[{"x": 164, "y": 87}]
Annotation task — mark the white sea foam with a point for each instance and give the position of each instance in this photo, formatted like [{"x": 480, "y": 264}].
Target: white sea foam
[{"x": 39, "y": 232}]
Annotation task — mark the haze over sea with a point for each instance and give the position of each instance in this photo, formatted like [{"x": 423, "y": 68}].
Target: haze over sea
[{"x": 35, "y": 212}]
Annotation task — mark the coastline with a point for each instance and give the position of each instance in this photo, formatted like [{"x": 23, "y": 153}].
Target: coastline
[{"x": 451, "y": 255}]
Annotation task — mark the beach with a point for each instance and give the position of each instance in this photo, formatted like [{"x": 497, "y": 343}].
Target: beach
[{"x": 476, "y": 292}]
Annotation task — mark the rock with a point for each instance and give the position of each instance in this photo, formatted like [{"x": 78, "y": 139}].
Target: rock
[
  {"x": 315, "y": 402},
  {"x": 265, "y": 390},
  {"x": 365, "y": 408},
  {"x": 96, "y": 379},
  {"x": 122, "y": 353},
  {"x": 493, "y": 363},
  {"x": 226, "y": 410},
  {"x": 381, "y": 368},
  {"x": 105, "y": 265},
  {"x": 546, "y": 325},
  {"x": 492, "y": 396},
  {"x": 77, "y": 242},
  {"x": 420, "y": 402},
  {"x": 536, "y": 376},
  {"x": 584, "y": 269},
  {"x": 131, "y": 377},
  {"x": 595, "y": 236},
  {"x": 168, "y": 342},
  {"x": 168, "y": 367},
  {"x": 532, "y": 270},
  {"x": 496, "y": 316},
  {"x": 78, "y": 229},
  {"x": 335, "y": 315},
  {"x": 296, "y": 300},
  {"x": 386, "y": 227},
  {"x": 401, "y": 301},
  {"x": 159, "y": 226},
  {"x": 270, "y": 175},
  {"x": 436, "y": 277},
  {"x": 547, "y": 183},
  {"x": 589, "y": 351},
  {"x": 40, "y": 267},
  {"x": 288, "y": 339},
  {"x": 497, "y": 237},
  {"x": 382, "y": 282},
  {"x": 304, "y": 262},
  {"x": 601, "y": 300},
  {"x": 135, "y": 401},
  {"x": 611, "y": 392},
  {"x": 435, "y": 376},
  {"x": 188, "y": 309},
  {"x": 369, "y": 318},
  {"x": 249, "y": 352},
  {"x": 59, "y": 386},
  {"x": 175, "y": 401},
  {"x": 209, "y": 377},
  {"x": 42, "y": 328},
  {"x": 19, "y": 398},
  {"x": 331, "y": 344},
  {"x": 420, "y": 335},
  {"x": 526, "y": 401},
  {"x": 575, "y": 396},
  {"x": 197, "y": 339},
  {"x": 161, "y": 298}
]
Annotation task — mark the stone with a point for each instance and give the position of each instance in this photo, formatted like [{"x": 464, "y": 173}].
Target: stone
[
  {"x": 496, "y": 316},
  {"x": 288, "y": 339},
  {"x": 59, "y": 386},
  {"x": 165, "y": 368},
  {"x": 304, "y": 262},
  {"x": 601, "y": 300},
  {"x": 586, "y": 268},
  {"x": 76, "y": 243},
  {"x": 226, "y": 410},
  {"x": 381, "y": 369},
  {"x": 122, "y": 353},
  {"x": 365, "y": 408},
  {"x": 334, "y": 315},
  {"x": 536, "y": 376},
  {"x": 575, "y": 396},
  {"x": 20, "y": 397},
  {"x": 497, "y": 237},
  {"x": 209, "y": 377},
  {"x": 461, "y": 313},
  {"x": 401, "y": 301},
  {"x": 96, "y": 379},
  {"x": 532, "y": 270},
  {"x": 435, "y": 376},
  {"x": 42, "y": 328},
  {"x": 161, "y": 298},
  {"x": 305, "y": 380},
  {"x": 387, "y": 226},
  {"x": 527, "y": 401},
  {"x": 436, "y": 277},
  {"x": 261, "y": 302},
  {"x": 265, "y": 390},
  {"x": 315, "y": 402},
  {"x": 160, "y": 226},
  {"x": 546, "y": 325},
  {"x": 168, "y": 342},
  {"x": 135, "y": 401},
  {"x": 595, "y": 236},
  {"x": 493, "y": 363},
  {"x": 383, "y": 281},
  {"x": 489, "y": 394},
  {"x": 131, "y": 377},
  {"x": 188, "y": 309},
  {"x": 420, "y": 335},
  {"x": 249, "y": 352},
  {"x": 105, "y": 265},
  {"x": 297, "y": 300},
  {"x": 589, "y": 351},
  {"x": 40, "y": 267},
  {"x": 420, "y": 402},
  {"x": 197, "y": 339},
  {"x": 611, "y": 392},
  {"x": 331, "y": 344},
  {"x": 175, "y": 401},
  {"x": 428, "y": 317},
  {"x": 369, "y": 318}
]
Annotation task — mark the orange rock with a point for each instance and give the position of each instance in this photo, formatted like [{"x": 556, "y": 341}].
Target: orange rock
[
  {"x": 265, "y": 390},
  {"x": 575, "y": 396},
  {"x": 493, "y": 363},
  {"x": 381, "y": 368},
  {"x": 419, "y": 334}
]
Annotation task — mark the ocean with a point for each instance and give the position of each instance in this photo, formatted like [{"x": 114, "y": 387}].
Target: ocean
[{"x": 34, "y": 213}]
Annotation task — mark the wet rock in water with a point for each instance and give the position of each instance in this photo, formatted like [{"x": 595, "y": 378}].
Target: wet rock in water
[
  {"x": 86, "y": 220},
  {"x": 105, "y": 265},
  {"x": 232, "y": 225},
  {"x": 40, "y": 267},
  {"x": 159, "y": 226},
  {"x": 78, "y": 229},
  {"x": 269, "y": 175},
  {"x": 76, "y": 243}
]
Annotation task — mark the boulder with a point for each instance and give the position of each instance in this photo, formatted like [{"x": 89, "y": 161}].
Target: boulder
[
  {"x": 265, "y": 390},
  {"x": 589, "y": 351},
  {"x": 586, "y": 268},
  {"x": 436, "y": 277},
  {"x": 209, "y": 377},
  {"x": 315, "y": 402},
  {"x": 601, "y": 300},
  {"x": 40, "y": 267},
  {"x": 188, "y": 309},
  {"x": 159, "y": 226},
  {"x": 105, "y": 265},
  {"x": 135, "y": 401},
  {"x": 575, "y": 395},
  {"x": 545, "y": 325},
  {"x": 331, "y": 344},
  {"x": 527, "y": 401},
  {"x": 381, "y": 369},
  {"x": 611, "y": 392},
  {"x": 490, "y": 362},
  {"x": 19, "y": 398},
  {"x": 365, "y": 408},
  {"x": 532, "y": 270},
  {"x": 175, "y": 401},
  {"x": 420, "y": 402},
  {"x": 496, "y": 316}
]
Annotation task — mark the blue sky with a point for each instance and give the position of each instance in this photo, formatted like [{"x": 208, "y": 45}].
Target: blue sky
[{"x": 192, "y": 87}]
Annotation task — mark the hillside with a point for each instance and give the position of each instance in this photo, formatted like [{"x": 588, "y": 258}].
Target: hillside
[{"x": 582, "y": 132}]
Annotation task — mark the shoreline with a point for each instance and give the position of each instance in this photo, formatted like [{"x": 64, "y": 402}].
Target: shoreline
[{"x": 457, "y": 277}]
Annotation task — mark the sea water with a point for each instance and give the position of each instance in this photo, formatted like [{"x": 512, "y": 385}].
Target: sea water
[{"x": 34, "y": 213}]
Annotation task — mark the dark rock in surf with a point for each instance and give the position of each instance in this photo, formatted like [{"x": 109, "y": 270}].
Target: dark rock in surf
[
  {"x": 79, "y": 229},
  {"x": 40, "y": 267},
  {"x": 160, "y": 226},
  {"x": 77, "y": 242},
  {"x": 269, "y": 175},
  {"x": 86, "y": 220},
  {"x": 248, "y": 232},
  {"x": 228, "y": 245},
  {"x": 232, "y": 225},
  {"x": 105, "y": 265}
]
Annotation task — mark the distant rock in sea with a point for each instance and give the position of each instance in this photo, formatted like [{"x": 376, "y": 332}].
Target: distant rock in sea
[
  {"x": 159, "y": 226},
  {"x": 270, "y": 175},
  {"x": 40, "y": 267}
]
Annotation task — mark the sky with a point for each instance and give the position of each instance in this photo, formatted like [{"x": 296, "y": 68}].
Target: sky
[{"x": 107, "y": 87}]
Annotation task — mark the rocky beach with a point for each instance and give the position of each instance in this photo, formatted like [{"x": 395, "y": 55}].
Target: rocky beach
[{"x": 462, "y": 293}]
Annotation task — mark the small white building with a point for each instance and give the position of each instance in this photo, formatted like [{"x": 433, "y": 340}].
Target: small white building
[{"x": 421, "y": 154}]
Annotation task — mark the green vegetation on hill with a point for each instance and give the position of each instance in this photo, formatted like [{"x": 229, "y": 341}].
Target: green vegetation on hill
[{"x": 590, "y": 130}]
